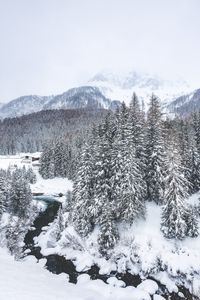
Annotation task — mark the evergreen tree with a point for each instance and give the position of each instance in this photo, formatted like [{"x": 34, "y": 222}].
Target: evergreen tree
[
  {"x": 195, "y": 168},
  {"x": 20, "y": 197},
  {"x": 14, "y": 236},
  {"x": 108, "y": 232},
  {"x": 176, "y": 219},
  {"x": 3, "y": 191},
  {"x": 68, "y": 202},
  {"x": 82, "y": 214},
  {"x": 155, "y": 153},
  {"x": 58, "y": 226},
  {"x": 2, "y": 204},
  {"x": 192, "y": 222},
  {"x": 30, "y": 176}
]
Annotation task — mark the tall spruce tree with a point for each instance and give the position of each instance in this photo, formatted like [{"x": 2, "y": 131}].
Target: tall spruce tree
[
  {"x": 20, "y": 197},
  {"x": 176, "y": 216},
  {"x": 82, "y": 213},
  {"x": 155, "y": 153}
]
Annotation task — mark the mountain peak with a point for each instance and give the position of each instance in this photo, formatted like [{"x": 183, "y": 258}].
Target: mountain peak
[{"x": 122, "y": 85}]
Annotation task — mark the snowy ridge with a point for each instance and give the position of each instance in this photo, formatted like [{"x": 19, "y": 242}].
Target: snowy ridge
[{"x": 81, "y": 97}]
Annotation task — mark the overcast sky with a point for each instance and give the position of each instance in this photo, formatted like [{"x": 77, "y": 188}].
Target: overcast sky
[{"x": 48, "y": 46}]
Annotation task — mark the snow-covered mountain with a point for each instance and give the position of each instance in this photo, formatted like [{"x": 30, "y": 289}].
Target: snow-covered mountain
[
  {"x": 23, "y": 105},
  {"x": 122, "y": 86},
  {"x": 80, "y": 97},
  {"x": 105, "y": 90},
  {"x": 185, "y": 104}
]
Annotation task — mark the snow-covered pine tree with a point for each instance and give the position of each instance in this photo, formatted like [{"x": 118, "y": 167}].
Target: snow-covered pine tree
[
  {"x": 133, "y": 190},
  {"x": 3, "y": 192},
  {"x": 185, "y": 151},
  {"x": 83, "y": 193},
  {"x": 47, "y": 162},
  {"x": 176, "y": 219},
  {"x": 58, "y": 226},
  {"x": 128, "y": 185},
  {"x": 30, "y": 176},
  {"x": 155, "y": 153},
  {"x": 136, "y": 126},
  {"x": 103, "y": 167},
  {"x": 195, "y": 122},
  {"x": 195, "y": 166},
  {"x": 2, "y": 203},
  {"x": 68, "y": 203},
  {"x": 14, "y": 236},
  {"x": 109, "y": 235},
  {"x": 20, "y": 198},
  {"x": 192, "y": 222}
]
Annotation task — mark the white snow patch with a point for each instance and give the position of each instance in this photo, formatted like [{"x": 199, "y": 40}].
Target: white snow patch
[
  {"x": 27, "y": 279},
  {"x": 148, "y": 286}
]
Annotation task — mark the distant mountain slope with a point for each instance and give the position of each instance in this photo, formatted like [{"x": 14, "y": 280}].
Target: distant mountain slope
[
  {"x": 76, "y": 98},
  {"x": 185, "y": 104},
  {"x": 23, "y": 105},
  {"x": 81, "y": 97}
]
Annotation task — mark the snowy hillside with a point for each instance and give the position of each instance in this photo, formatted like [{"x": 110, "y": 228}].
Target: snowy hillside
[
  {"x": 185, "y": 104},
  {"x": 81, "y": 97}
]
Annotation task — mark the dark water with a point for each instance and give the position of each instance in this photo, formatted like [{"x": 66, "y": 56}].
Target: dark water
[{"x": 58, "y": 264}]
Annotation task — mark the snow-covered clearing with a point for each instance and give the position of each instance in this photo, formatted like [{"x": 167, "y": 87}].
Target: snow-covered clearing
[{"x": 48, "y": 187}]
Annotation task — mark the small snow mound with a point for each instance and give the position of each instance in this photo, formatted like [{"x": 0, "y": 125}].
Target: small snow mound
[
  {"x": 116, "y": 282},
  {"x": 83, "y": 278},
  {"x": 148, "y": 286},
  {"x": 158, "y": 297},
  {"x": 181, "y": 295}
]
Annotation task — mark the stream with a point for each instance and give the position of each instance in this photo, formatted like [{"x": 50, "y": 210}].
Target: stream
[{"x": 59, "y": 264}]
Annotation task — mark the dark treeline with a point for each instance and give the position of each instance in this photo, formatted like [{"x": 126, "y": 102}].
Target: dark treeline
[
  {"x": 30, "y": 133},
  {"x": 128, "y": 159}
]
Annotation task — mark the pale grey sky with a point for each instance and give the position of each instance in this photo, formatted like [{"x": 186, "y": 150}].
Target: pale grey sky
[{"x": 48, "y": 46}]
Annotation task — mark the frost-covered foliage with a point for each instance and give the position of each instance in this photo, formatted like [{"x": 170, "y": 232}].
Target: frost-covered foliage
[
  {"x": 109, "y": 186},
  {"x": 60, "y": 158},
  {"x": 16, "y": 208},
  {"x": 178, "y": 220},
  {"x": 155, "y": 169}
]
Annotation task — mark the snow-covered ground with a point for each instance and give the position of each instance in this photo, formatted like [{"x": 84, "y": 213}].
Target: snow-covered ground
[
  {"x": 48, "y": 187},
  {"x": 28, "y": 280}
]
